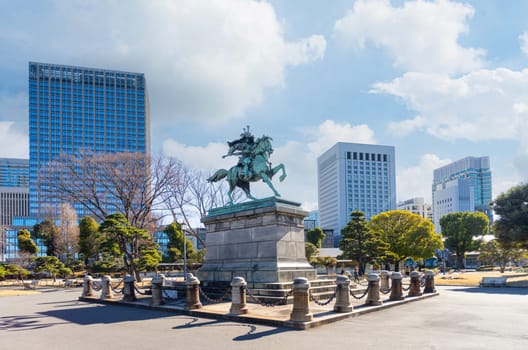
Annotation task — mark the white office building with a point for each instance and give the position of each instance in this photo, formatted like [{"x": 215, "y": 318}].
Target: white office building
[
  {"x": 417, "y": 206},
  {"x": 352, "y": 177}
]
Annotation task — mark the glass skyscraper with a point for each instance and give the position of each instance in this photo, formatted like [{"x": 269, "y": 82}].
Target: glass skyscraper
[
  {"x": 354, "y": 177},
  {"x": 14, "y": 200},
  {"x": 79, "y": 109},
  {"x": 464, "y": 185}
]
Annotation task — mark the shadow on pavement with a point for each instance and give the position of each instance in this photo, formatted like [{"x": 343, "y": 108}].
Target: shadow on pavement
[
  {"x": 24, "y": 323},
  {"x": 503, "y": 290},
  {"x": 105, "y": 314},
  {"x": 251, "y": 335}
]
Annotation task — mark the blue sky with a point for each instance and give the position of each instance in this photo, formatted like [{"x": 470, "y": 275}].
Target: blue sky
[{"x": 439, "y": 80}]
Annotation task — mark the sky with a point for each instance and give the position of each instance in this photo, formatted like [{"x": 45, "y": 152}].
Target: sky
[{"x": 438, "y": 80}]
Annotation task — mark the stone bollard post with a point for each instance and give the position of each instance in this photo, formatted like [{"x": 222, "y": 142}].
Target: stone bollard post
[
  {"x": 106, "y": 289},
  {"x": 301, "y": 301},
  {"x": 193, "y": 292},
  {"x": 129, "y": 293},
  {"x": 87, "y": 286},
  {"x": 373, "y": 296},
  {"x": 397, "y": 289},
  {"x": 238, "y": 296},
  {"x": 157, "y": 290},
  {"x": 415, "y": 289},
  {"x": 343, "y": 295},
  {"x": 384, "y": 280},
  {"x": 429, "y": 282}
]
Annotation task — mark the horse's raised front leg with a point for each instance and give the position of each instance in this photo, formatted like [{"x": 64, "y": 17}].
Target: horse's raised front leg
[{"x": 276, "y": 170}]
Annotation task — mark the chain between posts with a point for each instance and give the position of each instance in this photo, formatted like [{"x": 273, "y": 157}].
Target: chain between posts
[
  {"x": 211, "y": 300},
  {"x": 422, "y": 281},
  {"x": 282, "y": 301},
  {"x": 139, "y": 291},
  {"x": 95, "y": 286},
  {"x": 166, "y": 295},
  {"x": 362, "y": 295},
  {"x": 386, "y": 291},
  {"x": 116, "y": 289},
  {"x": 406, "y": 289},
  {"x": 328, "y": 301}
]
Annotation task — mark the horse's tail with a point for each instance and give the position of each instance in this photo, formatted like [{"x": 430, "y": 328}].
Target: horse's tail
[{"x": 219, "y": 175}]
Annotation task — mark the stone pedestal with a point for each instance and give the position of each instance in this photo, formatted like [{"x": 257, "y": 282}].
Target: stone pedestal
[
  {"x": 261, "y": 241},
  {"x": 429, "y": 282},
  {"x": 301, "y": 301},
  {"x": 415, "y": 288},
  {"x": 342, "y": 295},
  {"x": 238, "y": 297}
]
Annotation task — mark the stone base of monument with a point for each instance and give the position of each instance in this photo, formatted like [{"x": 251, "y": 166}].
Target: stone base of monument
[{"x": 261, "y": 241}]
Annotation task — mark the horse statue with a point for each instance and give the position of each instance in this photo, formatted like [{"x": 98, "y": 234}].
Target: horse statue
[{"x": 253, "y": 165}]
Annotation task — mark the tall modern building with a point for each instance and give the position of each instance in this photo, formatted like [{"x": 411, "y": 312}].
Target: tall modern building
[
  {"x": 79, "y": 109},
  {"x": 464, "y": 185},
  {"x": 14, "y": 198},
  {"x": 417, "y": 206},
  {"x": 354, "y": 177}
]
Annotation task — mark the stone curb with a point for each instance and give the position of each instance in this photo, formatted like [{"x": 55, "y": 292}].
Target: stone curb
[{"x": 319, "y": 319}]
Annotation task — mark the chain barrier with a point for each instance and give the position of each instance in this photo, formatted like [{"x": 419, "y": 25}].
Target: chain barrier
[
  {"x": 116, "y": 289},
  {"x": 212, "y": 300},
  {"x": 96, "y": 286},
  {"x": 422, "y": 282},
  {"x": 362, "y": 295},
  {"x": 166, "y": 295},
  {"x": 328, "y": 301},
  {"x": 386, "y": 291},
  {"x": 361, "y": 284},
  {"x": 140, "y": 291},
  {"x": 406, "y": 289},
  {"x": 282, "y": 301}
]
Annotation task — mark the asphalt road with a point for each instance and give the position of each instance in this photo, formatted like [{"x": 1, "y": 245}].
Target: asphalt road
[{"x": 460, "y": 318}]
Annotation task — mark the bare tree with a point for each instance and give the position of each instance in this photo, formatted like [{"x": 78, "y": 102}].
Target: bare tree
[
  {"x": 132, "y": 184},
  {"x": 68, "y": 238},
  {"x": 190, "y": 196}
]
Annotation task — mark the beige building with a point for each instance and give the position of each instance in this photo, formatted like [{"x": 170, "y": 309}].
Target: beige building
[{"x": 417, "y": 206}]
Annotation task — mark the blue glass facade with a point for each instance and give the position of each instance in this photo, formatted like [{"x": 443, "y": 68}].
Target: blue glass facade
[
  {"x": 464, "y": 185},
  {"x": 14, "y": 172},
  {"x": 73, "y": 109}
]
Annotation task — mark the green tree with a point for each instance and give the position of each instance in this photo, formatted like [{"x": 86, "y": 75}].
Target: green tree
[
  {"x": 315, "y": 236},
  {"x": 10, "y": 270},
  {"x": 48, "y": 231},
  {"x": 407, "y": 234},
  {"x": 51, "y": 265},
  {"x": 326, "y": 261},
  {"x": 512, "y": 207},
  {"x": 360, "y": 243},
  {"x": 90, "y": 239},
  {"x": 310, "y": 250},
  {"x": 459, "y": 230},
  {"x": 25, "y": 243},
  {"x": 495, "y": 252},
  {"x": 176, "y": 236},
  {"x": 149, "y": 259},
  {"x": 127, "y": 241}
]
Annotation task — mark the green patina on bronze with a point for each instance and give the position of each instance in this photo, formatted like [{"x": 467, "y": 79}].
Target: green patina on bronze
[
  {"x": 253, "y": 164},
  {"x": 252, "y": 205}
]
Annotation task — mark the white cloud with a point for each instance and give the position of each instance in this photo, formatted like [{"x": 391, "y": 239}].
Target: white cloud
[
  {"x": 13, "y": 143},
  {"x": 299, "y": 158},
  {"x": 416, "y": 181},
  {"x": 420, "y": 35},
  {"x": 405, "y": 127},
  {"x": 13, "y": 107},
  {"x": 523, "y": 38},
  {"x": 481, "y": 105},
  {"x": 206, "y": 60}
]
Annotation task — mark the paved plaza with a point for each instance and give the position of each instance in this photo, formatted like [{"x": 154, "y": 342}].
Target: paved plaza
[{"x": 460, "y": 318}]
